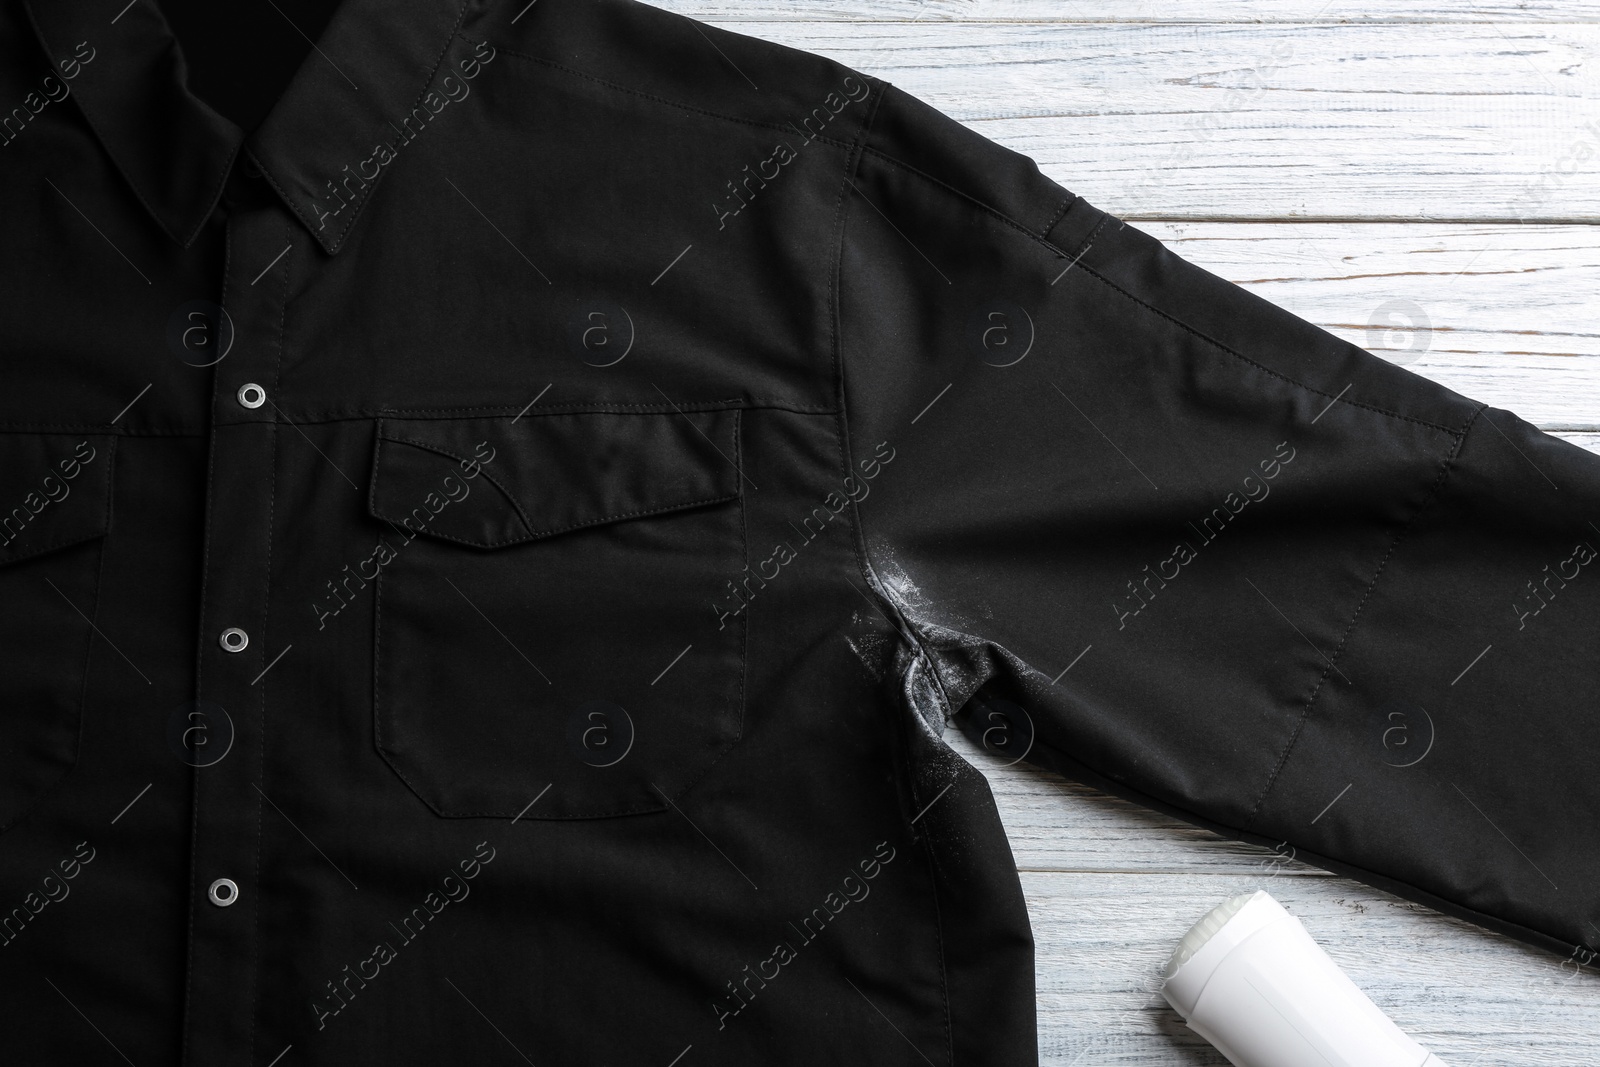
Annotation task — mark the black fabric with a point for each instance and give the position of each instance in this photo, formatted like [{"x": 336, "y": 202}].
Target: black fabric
[
  {"x": 240, "y": 56},
  {"x": 664, "y": 440}
]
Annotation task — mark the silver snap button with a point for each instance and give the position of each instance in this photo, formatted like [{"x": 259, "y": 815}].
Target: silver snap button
[
  {"x": 252, "y": 395},
  {"x": 233, "y": 639},
  {"x": 224, "y": 891}
]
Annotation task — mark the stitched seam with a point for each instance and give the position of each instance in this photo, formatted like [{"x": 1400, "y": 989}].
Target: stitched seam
[
  {"x": 111, "y": 483},
  {"x": 744, "y": 538},
  {"x": 858, "y": 544},
  {"x": 1007, "y": 220},
  {"x": 88, "y": 658},
  {"x": 372, "y": 478},
  {"x": 1088, "y": 242},
  {"x": 334, "y": 243},
  {"x": 938, "y": 936},
  {"x": 360, "y": 205},
  {"x": 261, "y": 749},
  {"x": 99, "y": 428},
  {"x": 577, "y": 408},
  {"x": 419, "y": 415},
  {"x": 88, "y": 649},
  {"x": 417, "y": 790},
  {"x": 377, "y": 640},
  {"x": 933, "y": 863},
  {"x": 744, "y": 621},
  {"x": 377, "y": 718},
  {"x": 266, "y": 608},
  {"x": 377, "y": 467},
  {"x": 842, "y": 418},
  {"x": 292, "y": 201},
  {"x": 377, "y": 690},
  {"x": 907, "y": 630},
  {"x": 1259, "y": 366},
  {"x": 1367, "y": 875},
  {"x": 1445, "y": 469},
  {"x": 67, "y": 541},
  {"x": 534, "y": 534},
  {"x": 759, "y": 124},
  {"x": 996, "y": 213},
  {"x": 216, "y": 190},
  {"x": 541, "y": 534},
  {"x": 1061, "y": 212},
  {"x": 207, "y": 534},
  {"x": 199, "y": 670}
]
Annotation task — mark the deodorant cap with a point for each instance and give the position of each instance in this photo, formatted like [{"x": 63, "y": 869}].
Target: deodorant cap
[{"x": 1209, "y": 941}]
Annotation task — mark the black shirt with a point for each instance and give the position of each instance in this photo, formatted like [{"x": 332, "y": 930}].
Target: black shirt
[{"x": 490, "y": 555}]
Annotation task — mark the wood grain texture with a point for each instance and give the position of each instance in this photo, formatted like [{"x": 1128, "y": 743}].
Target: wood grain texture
[
  {"x": 1198, "y": 11},
  {"x": 1464, "y": 122},
  {"x": 1591, "y": 441},
  {"x": 1445, "y": 146},
  {"x": 1503, "y": 314},
  {"x": 1111, "y": 887},
  {"x": 1471, "y": 998}
]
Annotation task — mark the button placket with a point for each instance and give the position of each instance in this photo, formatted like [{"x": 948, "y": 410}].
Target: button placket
[{"x": 224, "y": 949}]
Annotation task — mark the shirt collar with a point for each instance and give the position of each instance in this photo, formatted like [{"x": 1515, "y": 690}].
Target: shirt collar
[{"x": 367, "y": 72}]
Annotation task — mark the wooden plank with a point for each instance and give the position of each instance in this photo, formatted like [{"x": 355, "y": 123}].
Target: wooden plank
[
  {"x": 1591, "y": 441},
  {"x": 1136, "y": 11},
  {"x": 1470, "y": 996},
  {"x": 1112, "y": 886},
  {"x": 1506, "y": 314},
  {"x": 1466, "y": 122}
]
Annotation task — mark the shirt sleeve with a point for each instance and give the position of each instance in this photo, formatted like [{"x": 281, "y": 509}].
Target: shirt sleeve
[{"x": 1201, "y": 553}]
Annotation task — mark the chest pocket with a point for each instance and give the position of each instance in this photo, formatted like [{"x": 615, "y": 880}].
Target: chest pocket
[
  {"x": 56, "y": 492},
  {"x": 543, "y": 615}
]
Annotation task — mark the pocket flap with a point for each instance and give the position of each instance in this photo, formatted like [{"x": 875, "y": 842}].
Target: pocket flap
[
  {"x": 55, "y": 490},
  {"x": 495, "y": 482}
]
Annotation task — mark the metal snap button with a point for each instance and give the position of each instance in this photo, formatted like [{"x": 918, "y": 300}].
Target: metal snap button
[
  {"x": 223, "y": 892},
  {"x": 252, "y": 395},
  {"x": 233, "y": 639}
]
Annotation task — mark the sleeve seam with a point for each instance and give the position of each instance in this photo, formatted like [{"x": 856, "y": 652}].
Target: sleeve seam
[
  {"x": 835, "y": 287},
  {"x": 1062, "y": 253},
  {"x": 858, "y": 542},
  {"x": 905, "y": 626},
  {"x": 1060, "y": 213},
  {"x": 1088, "y": 242},
  {"x": 1446, "y": 468},
  {"x": 1260, "y": 366},
  {"x": 999, "y": 215},
  {"x": 1366, "y": 875}
]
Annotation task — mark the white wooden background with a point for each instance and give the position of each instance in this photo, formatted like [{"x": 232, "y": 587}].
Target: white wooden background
[{"x": 1421, "y": 177}]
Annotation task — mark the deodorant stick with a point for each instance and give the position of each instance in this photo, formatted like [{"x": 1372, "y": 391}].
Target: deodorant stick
[{"x": 1249, "y": 979}]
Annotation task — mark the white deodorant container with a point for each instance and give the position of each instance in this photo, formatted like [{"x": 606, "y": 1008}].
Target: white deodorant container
[{"x": 1249, "y": 979}]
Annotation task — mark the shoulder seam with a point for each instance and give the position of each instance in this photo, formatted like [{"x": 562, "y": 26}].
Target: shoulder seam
[
  {"x": 1061, "y": 253},
  {"x": 1258, "y": 365},
  {"x": 999, "y": 215}
]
